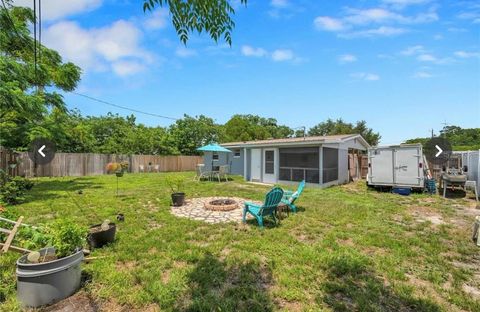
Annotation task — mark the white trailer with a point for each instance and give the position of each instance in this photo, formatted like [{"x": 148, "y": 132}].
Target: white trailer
[{"x": 396, "y": 166}]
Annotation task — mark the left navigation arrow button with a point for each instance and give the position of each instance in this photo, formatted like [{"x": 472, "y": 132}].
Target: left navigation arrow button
[{"x": 40, "y": 150}]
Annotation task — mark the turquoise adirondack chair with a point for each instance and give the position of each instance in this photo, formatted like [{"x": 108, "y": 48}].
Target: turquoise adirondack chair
[
  {"x": 272, "y": 199},
  {"x": 289, "y": 197}
]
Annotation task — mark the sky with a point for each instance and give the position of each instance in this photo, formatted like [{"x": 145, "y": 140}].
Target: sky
[{"x": 404, "y": 66}]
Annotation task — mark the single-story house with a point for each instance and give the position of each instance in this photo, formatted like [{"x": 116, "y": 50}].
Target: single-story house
[{"x": 320, "y": 160}]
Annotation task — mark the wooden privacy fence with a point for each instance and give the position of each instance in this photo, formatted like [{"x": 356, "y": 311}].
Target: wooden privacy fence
[{"x": 84, "y": 164}]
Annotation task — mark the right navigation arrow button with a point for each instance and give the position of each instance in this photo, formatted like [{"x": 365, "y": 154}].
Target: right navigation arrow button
[{"x": 439, "y": 150}]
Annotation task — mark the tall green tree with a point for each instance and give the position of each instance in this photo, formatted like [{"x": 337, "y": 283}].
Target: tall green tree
[
  {"x": 461, "y": 139},
  {"x": 189, "y": 133},
  {"x": 332, "y": 127},
  {"x": 253, "y": 127},
  {"x": 211, "y": 16},
  {"x": 28, "y": 92}
]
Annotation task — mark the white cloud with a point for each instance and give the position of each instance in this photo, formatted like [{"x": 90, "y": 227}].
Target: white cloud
[
  {"x": 281, "y": 55},
  {"x": 400, "y": 4},
  {"x": 365, "y": 76},
  {"x": 127, "y": 68},
  {"x": 465, "y": 54},
  {"x": 157, "y": 20},
  {"x": 417, "y": 49},
  {"x": 422, "y": 75},
  {"x": 184, "y": 52},
  {"x": 380, "y": 15},
  {"x": 438, "y": 37},
  {"x": 347, "y": 58},
  {"x": 382, "y": 31},
  {"x": 427, "y": 58},
  {"x": 279, "y": 3},
  {"x": 278, "y": 55},
  {"x": 251, "y": 51},
  {"x": 352, "y": 22},
  {"x": 375, "y": 15},
  {"x": 328, "y": 23},
  {"x": 57, "y": 9},
  {"x": 284, "y": 9},
  {"x": 99, "y": 49}
]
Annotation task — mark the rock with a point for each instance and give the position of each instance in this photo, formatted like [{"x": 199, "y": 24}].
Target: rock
[{"x": 33, "y": 257}]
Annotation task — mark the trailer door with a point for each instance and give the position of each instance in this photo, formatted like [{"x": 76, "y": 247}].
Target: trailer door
[
  {"x": 381, "y": 162},
  {"x": 407, "y": 168}
]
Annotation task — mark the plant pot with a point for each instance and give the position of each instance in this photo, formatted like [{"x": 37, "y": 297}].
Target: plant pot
[
  {"x": 119, "y": 174},
  {"x": 40, "y": 284},
  {"x": 178, "y": 199},
  {"x": 99, "y": 238}
]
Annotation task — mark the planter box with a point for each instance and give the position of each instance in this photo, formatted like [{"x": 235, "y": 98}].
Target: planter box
[{"x": 40, "y": 284}]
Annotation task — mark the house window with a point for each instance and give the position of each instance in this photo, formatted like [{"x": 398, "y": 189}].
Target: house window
[
  {"x": 297, "y": 164},
  {"x": 269, "y": 162},
  {"x": 236, "y": 153},
  {"x": 330, "y": 164},
  {"x": 215, "y": 156}
]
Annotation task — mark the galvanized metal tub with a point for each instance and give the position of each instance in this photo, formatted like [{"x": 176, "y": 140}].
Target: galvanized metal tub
[{"x": 41, "y": 284}]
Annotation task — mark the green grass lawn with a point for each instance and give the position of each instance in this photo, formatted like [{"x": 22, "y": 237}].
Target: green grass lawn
[{"x": 348, "y": 248}]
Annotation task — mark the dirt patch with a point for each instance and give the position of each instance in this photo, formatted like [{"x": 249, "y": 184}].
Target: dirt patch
[
  {"x": 472, "y": 291},
  {"x": 152, "y": 251},
  {"x": 152, "y": 225},
  {"x": 80, "y": 301},
  {"x": 346, "y": 242},
  {"x": 224, "y": 253},
  {"x": 165, "y": 276},
  {"x": 289, "y": 305},
  {"x": 179, "y": 264},
  {"x": 306, "y": 238},
  {"x": 426, "y": 289},
  {"x": 126, "y": 265},
  {"x": 426, "y": 213}
]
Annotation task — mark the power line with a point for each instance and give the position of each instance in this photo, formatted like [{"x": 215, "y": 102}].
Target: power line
[
  {"x": 35, "y": 41},
  {"x": 123, "y": 107},
  {"x": 40, "y": 31}
]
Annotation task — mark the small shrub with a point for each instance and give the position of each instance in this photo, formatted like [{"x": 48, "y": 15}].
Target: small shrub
[
  {"x": 66, "y": 237},
  {"x": 175, "y": 183},
  {"x": 12, "y": 189}
]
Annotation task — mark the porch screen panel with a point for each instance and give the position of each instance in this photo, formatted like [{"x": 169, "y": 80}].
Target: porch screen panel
[
  {"x": 297, "y": 164},
  {"x": 330, "y": 164}
]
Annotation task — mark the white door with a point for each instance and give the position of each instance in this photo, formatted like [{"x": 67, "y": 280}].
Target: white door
[
  {"x": 381, "y": 162},
  {"x": 256, "y": 165},
  {"x": 269, "y": 166},
  {"x": 407, "y": 166}
]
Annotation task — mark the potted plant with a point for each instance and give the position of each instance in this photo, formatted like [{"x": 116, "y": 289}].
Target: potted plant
[
  {"x": 52, "y": 273},
  {"x": 102, "y": 234},
  {"x": 176, "y": 185},
  {"x": 118, "y": 168}
]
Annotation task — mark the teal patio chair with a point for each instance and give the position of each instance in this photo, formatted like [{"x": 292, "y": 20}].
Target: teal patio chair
[
  {"x": 269, "y": 207},
  {"x": 289, "y": 197}
]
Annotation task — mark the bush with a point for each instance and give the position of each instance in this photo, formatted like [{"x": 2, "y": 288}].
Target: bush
[
  {"x": 12, "y": 189},
  {"x": 66, "y": 237}
]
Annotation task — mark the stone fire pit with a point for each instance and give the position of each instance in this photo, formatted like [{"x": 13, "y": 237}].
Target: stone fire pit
[
  {"x": 213, "y": 209},
  {"x": 222, "y": 204}
]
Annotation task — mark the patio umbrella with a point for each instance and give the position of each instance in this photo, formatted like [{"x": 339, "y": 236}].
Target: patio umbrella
[{"x": 213, "y": 147}]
